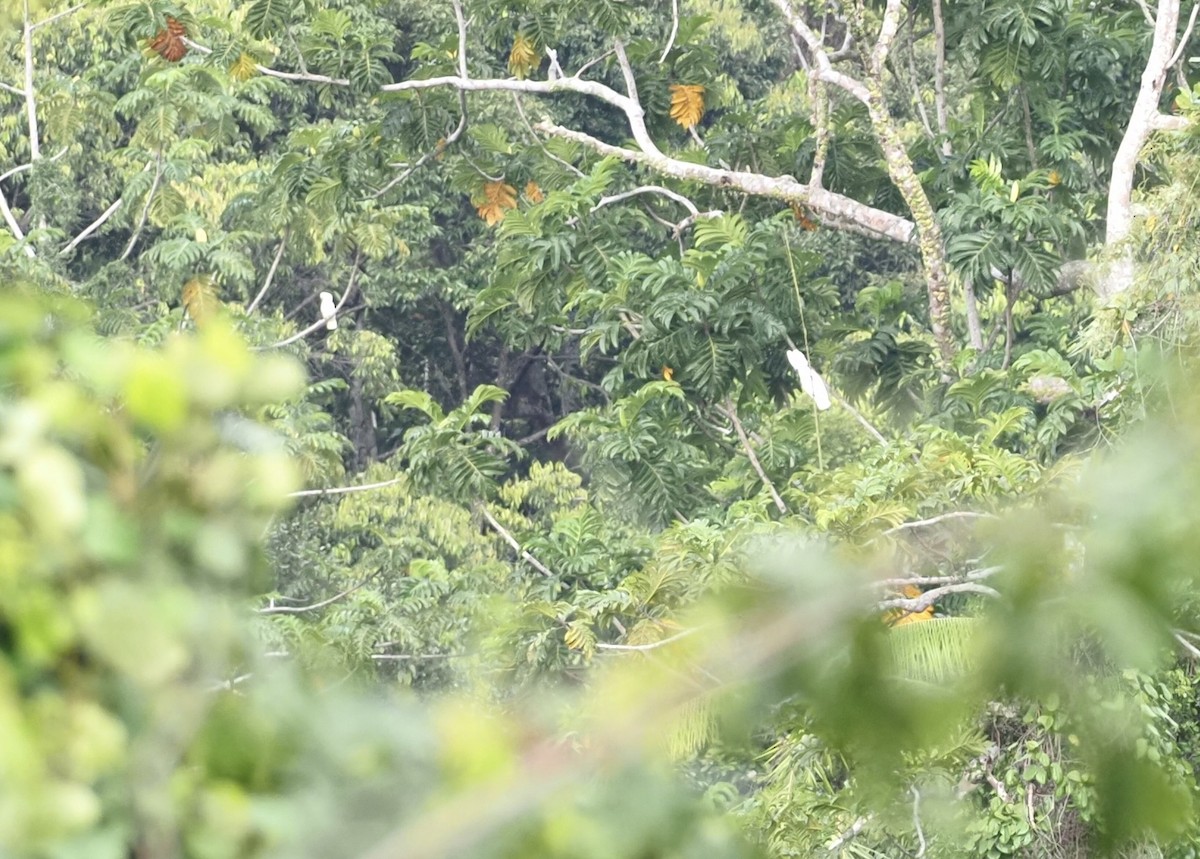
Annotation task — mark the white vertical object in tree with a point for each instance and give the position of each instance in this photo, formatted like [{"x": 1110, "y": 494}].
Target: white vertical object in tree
[
  {"x": 328, "y": 311},
  {"x": 811, "y": 383}
]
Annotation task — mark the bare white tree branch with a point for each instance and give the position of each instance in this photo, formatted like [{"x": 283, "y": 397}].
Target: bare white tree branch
[
  {"x": 323, "y": 321},
  {"x": 301, "y": 609},
  {"x": 343, "y": 490},
  {"x": 654, "y": 645},
  {"x": 93, "y": 226},
  {"x": 270, "y": 274},
  {"x": 275, "y": 73},
  {"x": 507, "y": 536},
  {"x": 928, "y": 598}
]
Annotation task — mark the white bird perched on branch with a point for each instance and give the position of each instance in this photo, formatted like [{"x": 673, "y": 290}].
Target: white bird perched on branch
[
  {"x": 810, "y": 382},
  {"x": 328, "y": 311}
]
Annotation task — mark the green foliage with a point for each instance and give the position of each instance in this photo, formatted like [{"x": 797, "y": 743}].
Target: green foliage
[{"x": 569, "y": 528}]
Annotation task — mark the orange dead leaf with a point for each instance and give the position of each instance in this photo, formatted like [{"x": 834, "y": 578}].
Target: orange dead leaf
[
  {"x": 533, "y": 193},
  {"x": 523, "y": 58},
  {"x": 687, "y": 104},
  {"x": 668, "y": 373},
  {"x": 439, "y": 149},
  {"x": 1054, "y": 178},
  {"x": 803, "y": 216},
  {"x": 497, "y": 198},
  {"x": 169, "y": 42}
]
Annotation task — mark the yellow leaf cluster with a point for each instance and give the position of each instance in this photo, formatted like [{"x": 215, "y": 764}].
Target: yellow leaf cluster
[
  {"x": 687, "y": 104},
  {"x": 200, "y": 298},
  {"x": 523, "y": 58},
  {"x": 243, "y": 67},
  {"x": 533, "y": 193},
  {"x": 497, "y": 198},
  {"x": 897, "y": 617}
]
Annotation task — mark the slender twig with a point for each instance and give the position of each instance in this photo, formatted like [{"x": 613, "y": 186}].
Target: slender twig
[
  {"x": 512, "y": 541},
  {"x": 29, "y": 165},
  {"x": 35, "y": 151},
  {"x": 343, "y": 490},
  {"x": 849, "y": 835},
  {"x": 274, "y": 73},
  {"x": 57, "y": 16},
  {"x": 654, "y": 645},
  {"x": 730, "y": 411},
  {"x": 648, "y": 189},
  {"x": 323, "y": 321},
  {"x": 13, "y": 226},
  {"x": 17, "y": 91},
  {"x": 579, "y": 72},
  {"x": 674, "y": 31},
  {"x": 462, "y": 37},
  {"x": 939, "y": 77},
  {"x": 405, "y": 657},
  {"x": 438, "y": 148},
  {"x": 1191, "y": 649},
  {"x": 270, "y": 274},
  {"x": 141, "y": 223},
  {"x": 917, "y": 822},
  {"x": 538, "y": 140},
  {"x": 678, "y": 228},
  {"x": 227, "y": 685},
  {"x": 301, "y": 609},
  {"x": 93, "y": 226},
  {"x": 1187, "y": 34},
  {"x": 934, "y": 520}
]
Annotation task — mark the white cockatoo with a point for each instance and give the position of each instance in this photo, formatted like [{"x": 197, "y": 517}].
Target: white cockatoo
[
  {"x": 328, "y": 311},
  {"x": 810, "y": 382}
]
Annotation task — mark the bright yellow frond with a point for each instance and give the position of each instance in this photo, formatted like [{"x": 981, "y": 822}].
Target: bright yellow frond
[
  {"x": 497, "y": 198},
  {"x": 523, "y": 58},
  {"x": 687, "y": 104}
]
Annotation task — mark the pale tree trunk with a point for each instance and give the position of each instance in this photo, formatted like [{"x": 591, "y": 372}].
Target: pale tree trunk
[
  {"x": 1142, "y": 123},
  {"x": 929, "y": 232},
  {"x": 900, "y": 169}
]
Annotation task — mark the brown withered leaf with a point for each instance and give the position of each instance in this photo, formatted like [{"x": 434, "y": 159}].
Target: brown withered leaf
[
  {"x": 169, "y": 42},
  {"x": 496, "y": 199}
]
